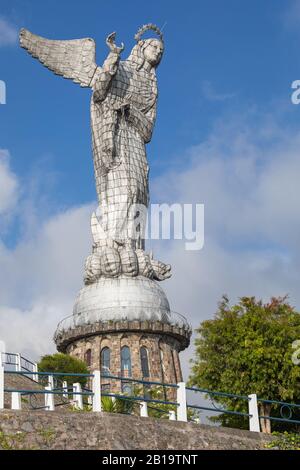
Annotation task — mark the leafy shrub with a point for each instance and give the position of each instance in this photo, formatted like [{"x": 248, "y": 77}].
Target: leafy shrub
[
  {"x": 64, "y": 363},
  {"x": 284, "y": 441}
]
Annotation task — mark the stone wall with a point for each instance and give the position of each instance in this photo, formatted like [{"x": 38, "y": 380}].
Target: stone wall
[{"x": 108, "y": 431}]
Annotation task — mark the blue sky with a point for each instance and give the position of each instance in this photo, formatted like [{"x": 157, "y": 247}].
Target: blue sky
[
  {"x": 226, "y": 135},
  {"x": 240, "y": 48}
]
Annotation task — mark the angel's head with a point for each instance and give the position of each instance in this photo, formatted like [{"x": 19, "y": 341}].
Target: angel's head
[
  {"x": 148, "y": 51},
  {"x": 152, "y": 50}
]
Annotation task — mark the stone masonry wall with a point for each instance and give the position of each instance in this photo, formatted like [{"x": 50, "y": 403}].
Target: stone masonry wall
[
  {"x": 108, "y": 431},
  {"x": 163, "y": 357}
]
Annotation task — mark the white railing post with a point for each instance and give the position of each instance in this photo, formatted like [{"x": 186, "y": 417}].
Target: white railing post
[
  {"x": 172, "y": 415},
  {"x": 253, "y": 412},
  {"x": 97, "y": 406},
  {"x": 65, "y": 388},
  {"x": 18, "y": 362},
  {"x": 144, "y": 409},
  {"x": 1, "y": 387},
  {"x": 35, "y": 377},
  {"x": 16, "y": 403},
  {"x": 2, "y": 353},
  {"x": 181, "y": 400},
  {"x": 49, "y": 397},
  {"x": 50, "y": 381},
  {"x": 77, "y": 399},
  {"x": 2, "y": 359}
]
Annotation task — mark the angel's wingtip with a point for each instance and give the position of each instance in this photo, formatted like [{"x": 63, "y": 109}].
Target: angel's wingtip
[
  {"x": 24, "y": 32},
  {"x": 22, "y": 35}
]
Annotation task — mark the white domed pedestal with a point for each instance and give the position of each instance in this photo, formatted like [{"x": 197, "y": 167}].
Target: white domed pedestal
[
  {"x": 132, "y": 312},
  {"x": 121, "y": 304},
  {"x": 122, "y": 299}
]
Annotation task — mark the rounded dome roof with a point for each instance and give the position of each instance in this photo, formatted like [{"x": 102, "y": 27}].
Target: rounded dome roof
[{"x": 120, "y": 299}]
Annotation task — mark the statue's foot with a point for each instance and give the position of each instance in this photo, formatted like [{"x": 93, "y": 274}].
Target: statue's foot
[
  {"x": 161, "y": 270},
  {"x": 107, "y": 261}
]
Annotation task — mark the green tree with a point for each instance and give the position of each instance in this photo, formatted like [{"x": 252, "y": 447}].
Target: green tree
[
  {"x": 64, "y": 363},
  {"x": 247, "y": 348}
]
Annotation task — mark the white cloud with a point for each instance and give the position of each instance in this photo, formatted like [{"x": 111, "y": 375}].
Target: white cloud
[
  {"x": 211, "y": 94},
  {"x": 30, "y": 331},
  {"x": 39, "y": 280},
  {"x": 246, "y": 175},
  {"x": 8, "y": 33},
  {"x": 48, "y": 266},
  {"x": 40, "y": 276},
  {"x": 248, "y": 178},
  {"x": 8, "y": 184}
]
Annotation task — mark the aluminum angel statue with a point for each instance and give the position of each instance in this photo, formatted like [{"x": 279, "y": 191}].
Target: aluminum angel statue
[{"x": 123, "y": 112}]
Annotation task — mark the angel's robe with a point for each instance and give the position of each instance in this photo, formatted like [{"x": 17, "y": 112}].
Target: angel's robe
[{"x": 119, "y": 138}]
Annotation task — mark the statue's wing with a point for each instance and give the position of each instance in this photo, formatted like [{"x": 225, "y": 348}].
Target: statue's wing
[{"x": 74, "y": 59}]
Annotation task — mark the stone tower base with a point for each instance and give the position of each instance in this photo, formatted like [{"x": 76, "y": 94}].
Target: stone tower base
[
  {"x": 163, "y": 343},
  {"x": 132, "y": 314}
]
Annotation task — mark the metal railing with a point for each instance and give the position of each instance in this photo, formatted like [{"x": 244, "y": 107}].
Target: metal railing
[
  {"x": 139, "y": 392},
  {"x": 217, "y": 408},
  {"x": 17, "y": 362},
  {"x": 10, "y": 359},
  {"x": 100, "y": 314},
  {"x": 285, "y": 411},
  {"x": 90, "y": 391},
  {"x": 73, "y": 394},
  {"x": 49, "y": 388}
]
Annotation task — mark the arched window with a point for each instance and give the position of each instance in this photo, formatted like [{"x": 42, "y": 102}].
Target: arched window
[
  {"x": 88, "y": 357},
  {"x": 126, "y": 369},
  {"x": 144, "y": 361},
  {"x": 105, "y": 360},
  {"x": 125, "y": 361}
]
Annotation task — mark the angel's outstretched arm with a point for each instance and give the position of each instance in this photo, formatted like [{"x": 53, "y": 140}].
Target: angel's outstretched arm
[{"x": 103, "y": 76}]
